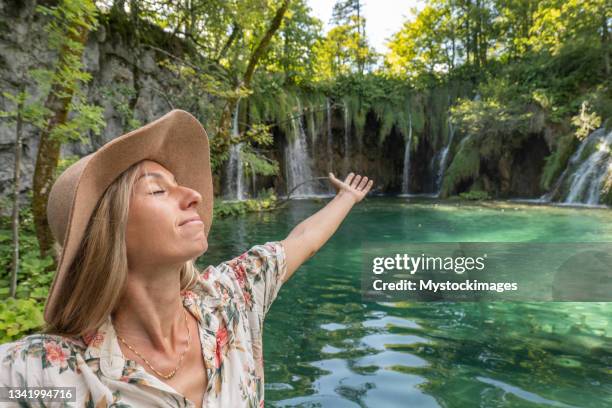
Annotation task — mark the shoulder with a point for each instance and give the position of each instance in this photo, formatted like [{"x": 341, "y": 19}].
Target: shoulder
[{"x": 38, "y": 356}]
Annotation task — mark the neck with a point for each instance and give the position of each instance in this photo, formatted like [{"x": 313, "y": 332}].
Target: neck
[{"x": 150, "y": 312}]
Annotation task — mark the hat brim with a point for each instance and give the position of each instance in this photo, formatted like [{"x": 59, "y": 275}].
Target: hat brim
[{"x": 176, "y": 140}]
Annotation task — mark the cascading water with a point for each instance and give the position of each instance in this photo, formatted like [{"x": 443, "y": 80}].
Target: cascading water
[
  {"x": 347, "y": 139},
  {"x": 444, "y": 158},
  {"x": 330, "y": 152},
  {"x": 312, "y": 130},
  {"x": 406, "y": 170},
  {"x": 234, "y": 181},
  {"x": 586, "y": 181},
  {"x": 297, "y": 161}
]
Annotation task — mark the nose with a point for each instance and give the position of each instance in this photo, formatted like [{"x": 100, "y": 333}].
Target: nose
[{"x": 191, "y": 198}]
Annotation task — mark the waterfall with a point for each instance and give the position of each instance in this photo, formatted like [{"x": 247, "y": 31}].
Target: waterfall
[
  {"x": 574, "y": 159},
  {"x": 330, "y": 151},
  {"x": 444, "y": 158},
  {"x": 312, "y": 129},
  {"x": 297, "y": 161},
  {"x": 234, "y": 181},
  {"x": 406, "y": 171},
  {"x": 347, "y": 141},
  {"x": 587, "y": 180}
]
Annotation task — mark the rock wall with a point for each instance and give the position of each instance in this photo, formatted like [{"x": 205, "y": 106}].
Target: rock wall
[{"x": 123, "y": 80}]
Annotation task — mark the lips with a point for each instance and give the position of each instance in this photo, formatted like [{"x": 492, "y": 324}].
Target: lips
[{"x": 193, "y": 220}]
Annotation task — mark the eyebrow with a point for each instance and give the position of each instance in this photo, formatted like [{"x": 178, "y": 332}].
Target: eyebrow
[{"x": 156, "y": 175}]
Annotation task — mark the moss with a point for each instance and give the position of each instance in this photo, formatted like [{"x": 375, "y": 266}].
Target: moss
[
  {"x": 465, "y": 167},
  {"x": 475, "y": 195}
]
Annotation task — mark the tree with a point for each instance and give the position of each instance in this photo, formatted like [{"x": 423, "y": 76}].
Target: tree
[
  {"x": 70, "y": 22},
  {"x": 347, "y": 14},
  {"x": 422, "y": 45},
  {"x": 345, "y": 49},
  {"x": 290, "y": 51},
  {"x": 257, "y": 54},
  {"x": 445, "y": 34}
]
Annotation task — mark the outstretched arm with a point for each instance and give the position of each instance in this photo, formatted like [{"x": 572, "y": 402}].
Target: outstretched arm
[{"x": 310, "y": 235}]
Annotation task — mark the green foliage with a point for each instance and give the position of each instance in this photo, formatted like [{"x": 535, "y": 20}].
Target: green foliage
[
  {"x": 19, "y": 317},
  {"x": 290, "y": 53},
  {"x": 490, "y": 119},
  {"x": 419, "y": 46},
  {"x": 442, "y": 35},
  {"x": 286, "y": 107},
  {"x": 392, "y": 101},
  {"x": 557, "y": 22},
  {"x": 586, "y": 121},
  {"x": 34, "y": 277},
  {"x": 273, "y": 103},
  {"x": 69, "y": 23},
  {"x": 474, "y": 195},
  {"x": 256, "y": 163},
  {"x": 23, "y": 315},
  {"x": 267, "y": 201},
  {"x": 31, "y": 112},
  {"x": 344, "y": 50},
  {"x": 86, "y": 118},
  {"x": 121, "y": 96},
  {"x": 254, "y": 160}
]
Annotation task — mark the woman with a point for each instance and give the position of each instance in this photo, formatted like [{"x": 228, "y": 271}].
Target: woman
[{"x": 130, "y": 320}]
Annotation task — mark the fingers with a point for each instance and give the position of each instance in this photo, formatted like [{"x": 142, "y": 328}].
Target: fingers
[
  {"x": 363, "y": 183},
  {"x": 358, "y": 182},
  {"x": 349, "y": 178}
]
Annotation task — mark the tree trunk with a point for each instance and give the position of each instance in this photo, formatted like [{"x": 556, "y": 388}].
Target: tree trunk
[
  {"x": 49, "y": 148},
  {"x": 258, "y": 53},
  {"x": 16, "y": 185},
  {"x": 230, "y": 40},
  {"x": 261, "y": 48},
  {"x": 605, "y": 40}
]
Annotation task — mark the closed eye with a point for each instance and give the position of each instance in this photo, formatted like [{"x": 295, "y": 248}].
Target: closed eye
[{"x": 158, "y": 191}]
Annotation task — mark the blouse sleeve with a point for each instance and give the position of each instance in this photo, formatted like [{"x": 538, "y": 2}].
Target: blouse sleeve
[
  {"x": 259, "y": 273},
  {"x": 18, "y": 368}
]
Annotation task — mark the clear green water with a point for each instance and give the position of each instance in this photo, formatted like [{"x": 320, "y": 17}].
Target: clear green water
[{"x": 324, "y": 347}]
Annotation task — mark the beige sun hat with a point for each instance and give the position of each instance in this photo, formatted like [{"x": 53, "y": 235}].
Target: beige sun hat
[{"x": 177, "y": 141}]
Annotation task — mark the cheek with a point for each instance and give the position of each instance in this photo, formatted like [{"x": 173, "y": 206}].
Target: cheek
[{"x": 150, "y": 226}]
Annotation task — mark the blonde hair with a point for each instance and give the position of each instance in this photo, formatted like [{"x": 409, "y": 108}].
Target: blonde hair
[{"x": 97, "y": 276}]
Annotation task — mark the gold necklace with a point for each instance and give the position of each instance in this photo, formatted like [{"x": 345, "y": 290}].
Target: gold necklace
[{"x": 173, "y": 372}]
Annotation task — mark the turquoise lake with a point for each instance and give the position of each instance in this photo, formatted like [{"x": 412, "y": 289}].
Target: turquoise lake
[{"x": 325, "y": 347}]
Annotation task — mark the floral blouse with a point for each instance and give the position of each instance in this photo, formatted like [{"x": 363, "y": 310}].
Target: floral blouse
[{"x": 229, "y": 301}]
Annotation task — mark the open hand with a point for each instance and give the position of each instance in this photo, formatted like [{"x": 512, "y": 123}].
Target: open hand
[{"x": 354, "y": 185}]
